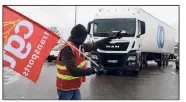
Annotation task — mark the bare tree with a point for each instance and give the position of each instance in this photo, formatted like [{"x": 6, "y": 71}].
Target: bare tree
[
  {"x": 54, "y": 29},
  {"x": 57, "y": 32}
]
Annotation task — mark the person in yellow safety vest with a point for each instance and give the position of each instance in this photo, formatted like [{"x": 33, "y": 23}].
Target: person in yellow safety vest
[{"x": 71, "y": 69}]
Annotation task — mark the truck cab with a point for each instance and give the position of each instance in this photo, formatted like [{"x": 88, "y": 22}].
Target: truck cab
[{"x": 118, "y": 54}]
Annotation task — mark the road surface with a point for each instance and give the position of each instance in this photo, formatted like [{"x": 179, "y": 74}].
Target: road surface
[{"x": 152, "y": 83}]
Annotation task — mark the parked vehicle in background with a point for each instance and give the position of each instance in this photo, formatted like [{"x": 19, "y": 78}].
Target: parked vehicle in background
[{"x": 54, "y": 53}]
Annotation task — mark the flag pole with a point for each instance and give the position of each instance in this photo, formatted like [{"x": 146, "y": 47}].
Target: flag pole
[{"x": 75, "y": 13}]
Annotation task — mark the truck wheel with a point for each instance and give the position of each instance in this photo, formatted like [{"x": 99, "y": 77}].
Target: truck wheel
[
  {"x": 163, "y": 62},
  {"x": 141, "y": 62},
  {"x": 177, "y": 67},
  {"x": 141, "y": 65},
  {"x": 145, "y": 64},
  {"x": 159, "y": 63},
  {"x": 136, "y": 73},
  {"x": 145, "y": 61},
  {"x": 167, "y": 62}
]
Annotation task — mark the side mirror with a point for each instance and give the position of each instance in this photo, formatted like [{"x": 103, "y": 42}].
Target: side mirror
[
  {"x": 89, "y": 27},
  {"x": 142, "y": 27}
]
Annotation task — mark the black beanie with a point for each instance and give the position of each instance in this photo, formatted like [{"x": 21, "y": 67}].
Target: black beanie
[{"x": 78, "y": 31}]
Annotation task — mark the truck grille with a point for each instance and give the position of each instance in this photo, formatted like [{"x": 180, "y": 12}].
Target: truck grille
[
  {"x": 116, "y": 47},
  {"x": 112, "y": 57}
]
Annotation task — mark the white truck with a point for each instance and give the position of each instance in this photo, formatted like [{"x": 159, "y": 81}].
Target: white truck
[{"x": 144, "y": 38}]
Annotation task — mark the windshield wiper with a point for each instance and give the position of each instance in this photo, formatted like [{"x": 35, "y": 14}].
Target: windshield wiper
[
  {"x": 102, "y": 34},
  {"x": 123, "y": 32}
]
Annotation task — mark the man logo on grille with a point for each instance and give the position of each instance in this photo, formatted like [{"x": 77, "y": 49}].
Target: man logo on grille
[{"x": 160, "y": 36}]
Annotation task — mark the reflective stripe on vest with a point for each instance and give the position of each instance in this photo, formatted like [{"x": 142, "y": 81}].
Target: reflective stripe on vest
[
  {"x": 64, "y": 67},
  {"x": 66, "y": 77}
]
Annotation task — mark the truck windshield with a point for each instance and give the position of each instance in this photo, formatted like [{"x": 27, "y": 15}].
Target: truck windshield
[{"x": 104, "y": 27}]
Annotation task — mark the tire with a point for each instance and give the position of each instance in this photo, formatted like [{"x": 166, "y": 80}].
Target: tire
[
  {"x": 167, "y": 62},
  {"x": 177, "y": 67},
  {"x": 145, "y": 61},
  {"x": 159, "y": 63},
  {"x": 163, "y": 62},
  {"x": 141, "y": 62},
  {"x": 136, "y": 73}
]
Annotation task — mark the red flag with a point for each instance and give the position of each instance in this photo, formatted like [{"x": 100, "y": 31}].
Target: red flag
[{"x": 26, "y": 44}]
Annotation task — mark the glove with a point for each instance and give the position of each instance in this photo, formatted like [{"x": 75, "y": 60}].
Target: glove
[
  {"x": 117, "y": 35},
  {"x": 99, "y": 69}
]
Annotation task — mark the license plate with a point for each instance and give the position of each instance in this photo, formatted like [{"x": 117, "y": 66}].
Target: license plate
[{"x": 112, "y": 61}]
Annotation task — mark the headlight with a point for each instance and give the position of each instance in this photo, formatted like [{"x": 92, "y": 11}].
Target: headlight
[
  {"x": 131, "y": 63},
  {"x": 94, "y": 57},
  {"x": 131, "y": 58}
]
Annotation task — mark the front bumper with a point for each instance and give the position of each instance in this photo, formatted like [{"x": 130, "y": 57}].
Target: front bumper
[
  {"x": 123, "y": 64},
  {"x": 124, "y": 68}
]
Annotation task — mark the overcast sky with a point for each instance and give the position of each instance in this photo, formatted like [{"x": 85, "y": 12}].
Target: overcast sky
[{"x": 63, "y": 17}]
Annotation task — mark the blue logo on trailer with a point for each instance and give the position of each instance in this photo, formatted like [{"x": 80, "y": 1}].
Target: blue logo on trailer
[{"x": 160, "y": 36}]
